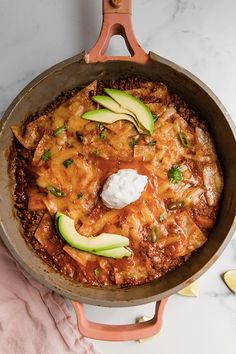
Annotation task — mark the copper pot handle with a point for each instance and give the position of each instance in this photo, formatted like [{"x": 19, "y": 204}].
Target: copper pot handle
[
  {"x": 127, "y": 332},
  {"x": 116, "y": 20}
]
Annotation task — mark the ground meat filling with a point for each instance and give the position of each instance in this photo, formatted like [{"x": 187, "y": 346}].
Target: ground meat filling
[{"x": 158, "y": 258}]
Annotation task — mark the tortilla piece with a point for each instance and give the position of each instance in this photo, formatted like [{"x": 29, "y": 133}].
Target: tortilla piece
[
  {"x": 135, "y": 272},
  {"x": 77, "y": 105},
  {"x": 213, "y": 182},
  {"x": 144, "y": 152},
  {"x": 79, "y": 256},
  {"x": 194, "y": 236},
  {"x": 33, "y": 133},
  {"x": 156, "y": 108},
  {"x": 44, "y": 144},
  {"x": 50, "y": 203},
  {"x": 45, "y": 230},
  {"x": 151, "y": 92},
  {"x": 205, "y": 143},
  {"x": 35, "y": 199},
  {"x": 183, "y": 237}
]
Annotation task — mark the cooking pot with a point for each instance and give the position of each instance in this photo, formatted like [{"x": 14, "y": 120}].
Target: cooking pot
[{"x": 81, "y": 70}]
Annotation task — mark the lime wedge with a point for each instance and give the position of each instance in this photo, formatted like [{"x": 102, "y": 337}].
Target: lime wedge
[
  {"x": 230, "y": 280},
  {"x": 190, "y": 290}
]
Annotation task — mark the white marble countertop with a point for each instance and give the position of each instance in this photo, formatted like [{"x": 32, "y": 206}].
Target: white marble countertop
[{"x": 197, "y": 34}]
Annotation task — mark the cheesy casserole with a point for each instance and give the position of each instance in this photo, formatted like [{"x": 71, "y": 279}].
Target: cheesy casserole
[{"x": 60, "y": 162}]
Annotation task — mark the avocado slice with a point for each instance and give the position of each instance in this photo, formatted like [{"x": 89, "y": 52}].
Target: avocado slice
[
  {"x": 108, "y": 117},
  {"x": 111, "y": 104},
  {"x": 134, "y": 105},
  {"x": 119, "y": 252},
  {"x": 66, "y": 229},
  {"x": 56, "y": 217}
]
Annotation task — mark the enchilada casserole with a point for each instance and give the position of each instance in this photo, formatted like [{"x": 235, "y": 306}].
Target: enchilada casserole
[{"x": 61, "y": 162}]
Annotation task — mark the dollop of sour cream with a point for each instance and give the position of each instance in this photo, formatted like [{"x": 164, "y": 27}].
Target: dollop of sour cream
[{"x": 123, "y": 188}]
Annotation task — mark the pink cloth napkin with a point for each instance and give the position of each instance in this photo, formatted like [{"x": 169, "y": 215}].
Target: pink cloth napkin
[{"x": 34, "y": 319}]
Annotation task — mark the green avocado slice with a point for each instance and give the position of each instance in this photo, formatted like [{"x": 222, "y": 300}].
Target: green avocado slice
[
  {"x": 111, "y": 104},
  {"x": 134, "y": 105},
  {"x": 108, "y": 117},
  {"x": 119, "y": 252},
  {"x": 66, "y": 229}
]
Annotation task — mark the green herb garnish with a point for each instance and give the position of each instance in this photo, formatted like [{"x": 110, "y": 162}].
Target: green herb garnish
[
  {"x": 80, "y": 195},
  {"x": 154, "y": 233},
  {"x": 79, "y": 136},
  {"x": 68, "y": 162},
  {"x": 155, "y": 117},
  {"x": 174, "y": 174},
  {"x": 55, "y": 191},
  {"x": 100, "y": 126},
  {"x": 183, "y": 139},
  {"x": 97, "y": 272},
  {"x": 102, "y": 135},
  {"x": 176, "y": 205},
  {"x": 133, "y": 142},
  {"x": 161, "y": 218},
  {"x": 60, "y": 130},
  {"x": 152, "y": 143},
  {"x": 46, "y": 155}
]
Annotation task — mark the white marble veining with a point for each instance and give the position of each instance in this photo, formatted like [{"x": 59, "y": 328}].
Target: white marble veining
[{"x": 200, "y": 36}]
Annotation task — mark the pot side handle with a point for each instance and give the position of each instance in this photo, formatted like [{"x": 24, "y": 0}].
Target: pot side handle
[
  {"x": 127, "y": 332},
  {"x": 116, "y": 21}
]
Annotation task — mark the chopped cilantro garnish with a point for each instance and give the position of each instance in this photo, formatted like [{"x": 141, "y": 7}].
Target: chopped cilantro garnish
[
  {"x": 68, "y": 162},
  {"x": 97, "y": 272},
  {"x": 102, "y": 135},
  {"x": 155, "y": 117},
  {"x": 55, "y": 191},
  {"x": 46, "y": 155},
  {"x": 161, "y": 218},
  {"x": 100, "y": 126},
  {"x": 60, "y": 130},
  {"x": 183, "y": 139},
  {"x": 174, "y": 174},
  {"x": 80, "y": 195}
]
